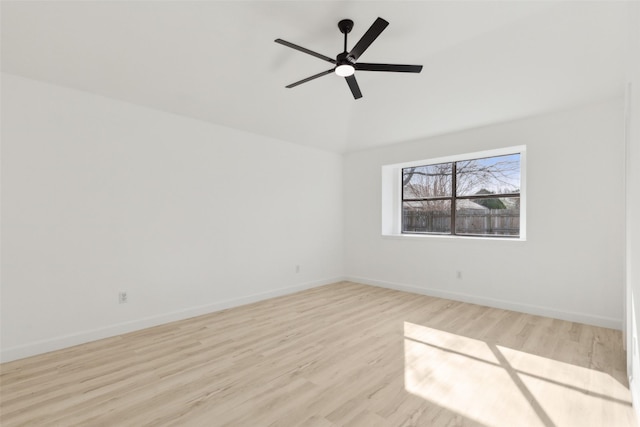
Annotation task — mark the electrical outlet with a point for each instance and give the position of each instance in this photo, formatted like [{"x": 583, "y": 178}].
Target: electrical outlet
[
  {"x": 122, "y": 297},
  {"x": 297, "y": 268},
  {"x": 459, "y": 274}
]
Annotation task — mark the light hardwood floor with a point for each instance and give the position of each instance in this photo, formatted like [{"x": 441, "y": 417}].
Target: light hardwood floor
[{"x": 339, "y": 355}]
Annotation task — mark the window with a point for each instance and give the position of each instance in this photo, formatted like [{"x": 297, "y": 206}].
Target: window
[{"x": 469, "y": 197}]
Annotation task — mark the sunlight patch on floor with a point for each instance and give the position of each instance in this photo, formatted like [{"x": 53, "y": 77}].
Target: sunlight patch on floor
[{"x": 498, "y": 386}]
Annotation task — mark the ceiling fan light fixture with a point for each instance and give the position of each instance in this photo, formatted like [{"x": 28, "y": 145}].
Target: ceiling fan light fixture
[{"x": 345, "y": 70}]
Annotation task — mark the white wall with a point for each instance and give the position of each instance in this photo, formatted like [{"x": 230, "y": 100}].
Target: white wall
[
  {"x": 100, "y": 196},
  {"x": 570, "y": 266},
  {"x": 633, "y": 205}
]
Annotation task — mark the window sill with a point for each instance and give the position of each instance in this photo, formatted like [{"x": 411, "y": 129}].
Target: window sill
[{"x": 422, "y": 237}]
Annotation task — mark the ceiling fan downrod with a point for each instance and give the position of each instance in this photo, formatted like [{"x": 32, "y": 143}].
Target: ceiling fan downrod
[{"x": 345, "y": 26}]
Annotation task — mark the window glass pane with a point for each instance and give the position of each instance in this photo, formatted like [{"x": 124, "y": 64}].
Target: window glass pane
[
  {"x": 427, "y": 181},
  {"x": 491, "y": 175},
  {"x": 498, "y": 216},
  {"x": 426, "y": 216}
]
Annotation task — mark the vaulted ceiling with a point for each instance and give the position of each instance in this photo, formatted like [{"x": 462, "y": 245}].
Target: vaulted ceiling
[{"x": 484, "y": 61}]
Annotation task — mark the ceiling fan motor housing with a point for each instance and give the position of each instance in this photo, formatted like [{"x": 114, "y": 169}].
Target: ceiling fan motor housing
[{"x": 345, "y": 59}]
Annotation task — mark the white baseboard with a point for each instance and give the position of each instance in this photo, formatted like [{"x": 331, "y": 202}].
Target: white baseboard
[
  {"x": 606, "y": 322},
  {"x": 57, "y": 343}
]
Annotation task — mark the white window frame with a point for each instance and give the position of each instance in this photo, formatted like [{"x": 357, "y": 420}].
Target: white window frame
[{"x": 392, "y": 194}]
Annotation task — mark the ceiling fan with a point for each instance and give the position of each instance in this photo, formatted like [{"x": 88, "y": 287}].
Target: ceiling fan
[{"x": 346, "y": 62}]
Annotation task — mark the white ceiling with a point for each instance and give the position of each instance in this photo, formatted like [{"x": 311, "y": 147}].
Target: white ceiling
[{"x": 484, "y": 62}]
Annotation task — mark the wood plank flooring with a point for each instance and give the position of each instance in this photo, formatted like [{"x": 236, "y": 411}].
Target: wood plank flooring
[{"x": 339, "y": 355}]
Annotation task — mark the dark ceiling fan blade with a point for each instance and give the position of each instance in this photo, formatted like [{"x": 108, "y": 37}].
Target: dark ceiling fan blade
[
  {"x": 315, "y": 76},
  {"x": 305, "y": 50},
  {"x": 397, "y": 68},
  {"x": 372, "y": 33},
  {"x": 353, "y": 85}
]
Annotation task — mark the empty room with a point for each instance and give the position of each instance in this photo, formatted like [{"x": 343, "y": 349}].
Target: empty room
[{"x": 320, "y": 213}]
